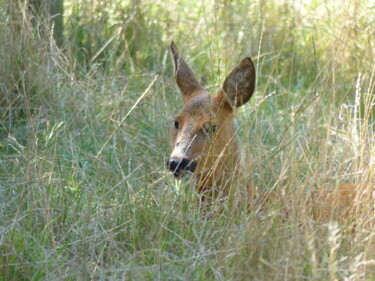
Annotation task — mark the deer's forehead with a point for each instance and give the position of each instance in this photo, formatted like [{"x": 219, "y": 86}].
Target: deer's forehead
[{"x": 200, "y": 105}]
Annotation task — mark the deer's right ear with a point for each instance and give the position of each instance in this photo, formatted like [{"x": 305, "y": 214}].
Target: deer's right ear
[{"x": 186, "y": 81}]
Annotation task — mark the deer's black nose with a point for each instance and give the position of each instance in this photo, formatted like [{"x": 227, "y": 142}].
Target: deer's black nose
[{"x": 178, "y": 166}]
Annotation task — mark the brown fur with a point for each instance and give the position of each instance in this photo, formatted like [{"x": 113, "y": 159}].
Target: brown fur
[
  {"x": 341, "y": 201},
  {"x": 216, "y": 153}
]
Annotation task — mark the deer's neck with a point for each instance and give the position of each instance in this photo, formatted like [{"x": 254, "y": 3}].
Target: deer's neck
[{"x": 222, "y": 168}]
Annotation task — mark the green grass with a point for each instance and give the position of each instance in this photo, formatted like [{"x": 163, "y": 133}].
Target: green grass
[{"x": 84, "y": 192}]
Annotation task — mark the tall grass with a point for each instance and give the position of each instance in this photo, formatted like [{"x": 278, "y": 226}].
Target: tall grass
[{"x": 84, "y": 192}]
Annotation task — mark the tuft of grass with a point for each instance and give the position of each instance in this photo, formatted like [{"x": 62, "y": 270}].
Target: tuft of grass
[{"x": 84, "y": 137}]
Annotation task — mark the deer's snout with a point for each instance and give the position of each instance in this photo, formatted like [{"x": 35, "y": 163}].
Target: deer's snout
[{"x": 178, "y": 166}]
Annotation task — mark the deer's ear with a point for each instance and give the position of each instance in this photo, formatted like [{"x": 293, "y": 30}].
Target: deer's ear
[
  {"x": 185, "y": 78},
  {"x": 240, "y": 83}
]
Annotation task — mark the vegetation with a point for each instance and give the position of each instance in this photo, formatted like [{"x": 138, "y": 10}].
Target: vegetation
[{"x": 85, "y": 114}]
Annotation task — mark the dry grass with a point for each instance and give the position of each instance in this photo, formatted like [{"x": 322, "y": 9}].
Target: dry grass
[{"x": 84, "y": 193}]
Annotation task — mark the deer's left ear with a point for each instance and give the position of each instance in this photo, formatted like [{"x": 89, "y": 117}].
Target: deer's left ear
[
  {"x": 240, "y": 84},
  {"x": 185, "y": 78}
]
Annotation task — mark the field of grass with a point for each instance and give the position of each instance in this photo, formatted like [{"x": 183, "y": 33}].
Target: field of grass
[{"x": 85, "y": 135}]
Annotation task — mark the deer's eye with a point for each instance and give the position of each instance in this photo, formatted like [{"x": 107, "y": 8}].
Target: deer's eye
[
  {"x": 176, "y": 125},
  {"x": 209, "y": 129}
]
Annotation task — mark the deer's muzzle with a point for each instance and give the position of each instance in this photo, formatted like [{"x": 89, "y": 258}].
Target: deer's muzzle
[{"x": 179, "y": 166}]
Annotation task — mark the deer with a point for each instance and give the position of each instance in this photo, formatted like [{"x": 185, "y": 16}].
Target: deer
[
  {"x": 204, "y": 141},
  {"x": 204, "y": 137}
]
